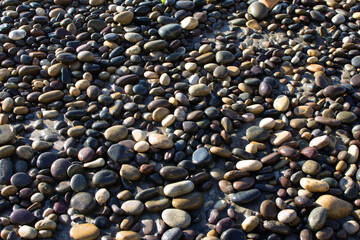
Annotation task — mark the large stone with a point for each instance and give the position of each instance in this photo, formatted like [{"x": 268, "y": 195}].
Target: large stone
[
  {"x": 160, "y": 141},
  {"x": 336, "y": 208}
]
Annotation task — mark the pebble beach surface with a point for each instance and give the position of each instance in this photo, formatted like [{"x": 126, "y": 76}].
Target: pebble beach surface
[{"x": 189, "y": 119}]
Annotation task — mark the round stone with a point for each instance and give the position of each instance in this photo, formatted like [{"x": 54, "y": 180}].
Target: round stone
[
  {"x": 27, "y": 232},
  {"x": 20, "y": 179},
  {"x": 83, "y": 202},
  {"x": 178, "y": 188},
  {"x": 258, "y": 10},
  {"x": 176, "y": 218},
  {"x": 45, "y": 160},
  {"x": 287, "y": 215},
  {"x": 17, "y": 34},
  {"x": 132, "y": 207},
  {"x": 336, "y": 208},
  {"x": 120, "y": 153},
  {"x": 281, "y": 103}
]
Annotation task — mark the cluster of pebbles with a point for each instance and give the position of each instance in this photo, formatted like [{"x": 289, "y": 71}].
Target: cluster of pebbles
[{"x": 182, "y": 119}]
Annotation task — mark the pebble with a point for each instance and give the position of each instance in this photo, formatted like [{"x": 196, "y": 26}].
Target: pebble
[
  {"x": 176, "y": 218},
  {"x": 27, "y": 232},
  {"x": 336, "y": 208},
  {"x": 84, "y": 231},
  {"x": 116, "y": 133},
  {"x": 178, "y": 188},
  {"x": 317, "y": 218},
  {"x": 127, "y": 235}
]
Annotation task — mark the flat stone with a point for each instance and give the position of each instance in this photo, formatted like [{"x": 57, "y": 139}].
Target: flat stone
[
  {"x": 6, "y": 170},
  {"x": 178, "y": 188},
  {"x": 127, "y": 235},
  {"x": 132, "y": 207},
  {"x": 105, "y": 178},
  {"x": 319, "y": 142},
  {"x": 199, "y": 90},
  {"x": 83, "y": 202},
  {"x": 84, "y": 231},
  {"x": 173, "y": 173},
  {"x": 249, "y": 165},
  {"x": 189, "y": 201},
  {"x": 176, "y": 218},
  {"x": 6, "y": 134},
  {"x": 277, "y": 227},
  {"x": 245, "y": 196}
]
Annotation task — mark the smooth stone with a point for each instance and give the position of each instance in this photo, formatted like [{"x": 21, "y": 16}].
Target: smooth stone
[
  {"x": 83, "y": 202},
  {"x": 120, "y": 153},
  {"x": 268, "y": 209},
  {"x": 59, "y": 168},
  {"x": 351, "y": 227},
  {"x": 21, "y": 217},
  {"x": 287, "y": 215},
  {"x": 102, "y": 196},
  {"x": 27, "y": 232},
  {"x": 96, "y": 24},
  {"x": 78, "y": 183},
  {"x": 178, "y": 188},
  {"x": 258, "y": 10},
  {"x": 170, "y": 31},
  {"x": 224, "y": 57},
  {"x": 6, "y": 151},
  {"x": 17, "y": 34},
  {"x": 201, "y": 156},
  {"x": 129, "y": 172},
  {"x": 334, "y": 91},
  {"x": 310, "y": 152},
  {"x": 173, "y": 173},
  {"x": 250, "y": 223},
  {"x": 336, "y": 208},
  {"x": 317, "y": 218},
  {"x": 116, "y": 133},
  {"x": 311, "y": 167},
  {"x": 247, "y": 196},
  {"x": 319, "y": 142},
  {"x": 199, "y": 90},
  {"x": 86, "y": 154},
  {"x": 176, "y": 218},
  {"x": 314, "y": 185},
  {"x": 257, "y": 134},
  {"x": 189, "y": 23},
  {"x": 132, "y": 207},
  {"x": 20, "y": 179},
  {"x": 172, "y": 234},
  {"x": 233, "y": 234},
  {"x": 160, "y": 141},
  {"x": 277, "y": 227},
  {"x": 84, "y": 231},
  {"x": 45, "y": 160},
  {"x": 346, "y": 117},
  {"x": 249, "y": 165},
  {"x": 6, "y": 170},
  {"x": 189, "y": 201},
  {"x": 281, "y": 103},
  {"x": 127, "y": 235},
  {"x": 124, "y": 18},
  {"x": 51, "y": 96},
  {"x": 355, "y": 81},
  {"x": 157, "y": 204},
  {"x": 6, "y": 134},
  {"x": 104, "y": 178},
  {"x": 338, "y": 19},
  {"x": 96, "y": 2}
]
